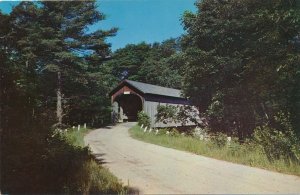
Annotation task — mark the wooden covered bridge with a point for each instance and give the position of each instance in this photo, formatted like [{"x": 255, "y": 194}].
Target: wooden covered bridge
[{"x": 130, "y": 97}]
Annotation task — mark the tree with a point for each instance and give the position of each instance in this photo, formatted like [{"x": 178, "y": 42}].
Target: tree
[
  {"x": 41, "y": 41},
  {"x": 157, "y": 63},
  {"x": 127, "y": 61},
  {"x": 71, "y": 40},
  {"x": 239, "y": 54},
  {"x": 64, "y": 47}
]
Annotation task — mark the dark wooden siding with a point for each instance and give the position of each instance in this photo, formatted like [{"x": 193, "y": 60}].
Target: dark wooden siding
[{"x": 166, "y": 99}]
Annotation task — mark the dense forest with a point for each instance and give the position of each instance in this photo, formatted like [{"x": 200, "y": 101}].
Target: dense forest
[
  {"x": 52, "y": 76},
  {"x": 243, "y": 63},
  {"x": 238, "y": 62}
]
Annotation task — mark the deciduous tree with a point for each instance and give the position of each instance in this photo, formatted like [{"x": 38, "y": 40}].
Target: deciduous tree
[{"x": 242, "y": 63}]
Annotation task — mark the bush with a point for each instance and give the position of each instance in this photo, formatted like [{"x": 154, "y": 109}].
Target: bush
[
  {"x": 199, "y": 132},
  {"x": 280, "y": 142},
  {"x": 57, "y": 163},
  {"x": 219, "y": 139},
  {"x": 67, "y": 164},
  {"x": 162, "y": 131},
  {"x": 174, "y": 132},
  {"x": 166, "y": 114},
  {"x": 277, "y": 144},
  {"x": 144, "y": 119}
]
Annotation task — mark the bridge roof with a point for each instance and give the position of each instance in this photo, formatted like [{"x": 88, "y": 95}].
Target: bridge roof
[{"x": 146, "y": 88}]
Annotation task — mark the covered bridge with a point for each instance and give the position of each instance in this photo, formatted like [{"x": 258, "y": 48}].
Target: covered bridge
[{"x": 130, "y": 97}]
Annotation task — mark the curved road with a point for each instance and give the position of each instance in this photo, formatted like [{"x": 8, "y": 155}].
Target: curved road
[{"x": 155, "y": 170}]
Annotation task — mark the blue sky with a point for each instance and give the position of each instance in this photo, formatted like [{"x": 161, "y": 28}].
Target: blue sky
[{"x": 138, "y": 20}]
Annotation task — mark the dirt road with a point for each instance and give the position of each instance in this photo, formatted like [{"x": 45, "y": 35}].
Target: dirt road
[{"x": 154, "y": 169}]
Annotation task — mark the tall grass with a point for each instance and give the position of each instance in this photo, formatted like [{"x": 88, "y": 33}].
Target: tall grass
[
  {"x": 91, "y": 177},
  {"x": 75, "y": 137},
  {"x": 247, "y": 153}
]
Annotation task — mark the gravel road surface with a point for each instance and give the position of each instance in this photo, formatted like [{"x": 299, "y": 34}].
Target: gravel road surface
[{"x": 156, "y": 170}]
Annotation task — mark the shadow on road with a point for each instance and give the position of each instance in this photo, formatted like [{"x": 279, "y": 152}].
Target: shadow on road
[{"x": 99, "y": 158}]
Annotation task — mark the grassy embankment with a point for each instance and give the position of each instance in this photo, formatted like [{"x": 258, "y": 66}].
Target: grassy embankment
[
  {"x": 247, "y": 154},
  {"x": 98, "y": 179}
]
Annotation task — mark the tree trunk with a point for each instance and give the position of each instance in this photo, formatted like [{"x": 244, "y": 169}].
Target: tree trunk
[
  {"x": 59, "y": 109},
  {"x": 265, "y": 111}
]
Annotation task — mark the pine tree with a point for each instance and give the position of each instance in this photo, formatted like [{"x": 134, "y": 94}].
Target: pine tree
[{"x": 56, "y": 41}]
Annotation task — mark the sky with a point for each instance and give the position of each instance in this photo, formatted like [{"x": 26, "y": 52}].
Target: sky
[{"x": 138, "y": 20}]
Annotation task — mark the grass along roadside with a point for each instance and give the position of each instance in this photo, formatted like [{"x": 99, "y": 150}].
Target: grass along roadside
[
  {"x": 96, "y": 179},
  {"x": 247, "y": 154},
  {"x": 76, "y": 137}
]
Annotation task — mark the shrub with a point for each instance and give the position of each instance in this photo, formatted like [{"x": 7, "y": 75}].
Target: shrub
[
  {"x": 162, "y": 131},
  {"x": 143, "y": 119},
  {"x": 199, "y": 132},
  {"x": 166, "y": 114},
  {"x": 219, "y": 139},
  {"x": 280, "y": 142},
  {"x": 174, "y": 132},
  {"x": 277, "y": 144}
]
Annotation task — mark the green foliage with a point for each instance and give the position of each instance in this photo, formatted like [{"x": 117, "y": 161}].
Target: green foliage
[
  {"x": 55, "y": 164},
  {"x": 102, "y": 181},
  {"x": 168, "y": 131},
  {"x": 279, "y": 144},
  {"x": 157, "y": 63},
  {"x": 144, "y": 119},
  {"x": 92, "y": 177},
  {"x": 174, "y": 132},
  {"x": 242, "y": 62},
  {"x": 219, "y": 139},
  {"x": 67, "y": 174},
  {"x": 51, "y": 38},
  {"x": 38, "y": 40},
  {"x": 75, "y": 137},
  {"x": 163, "y": 131},
  {"x": 182, "y": 114},
  {"x": 166, "y": 114},
  {"x": 276, "y": 144}
]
